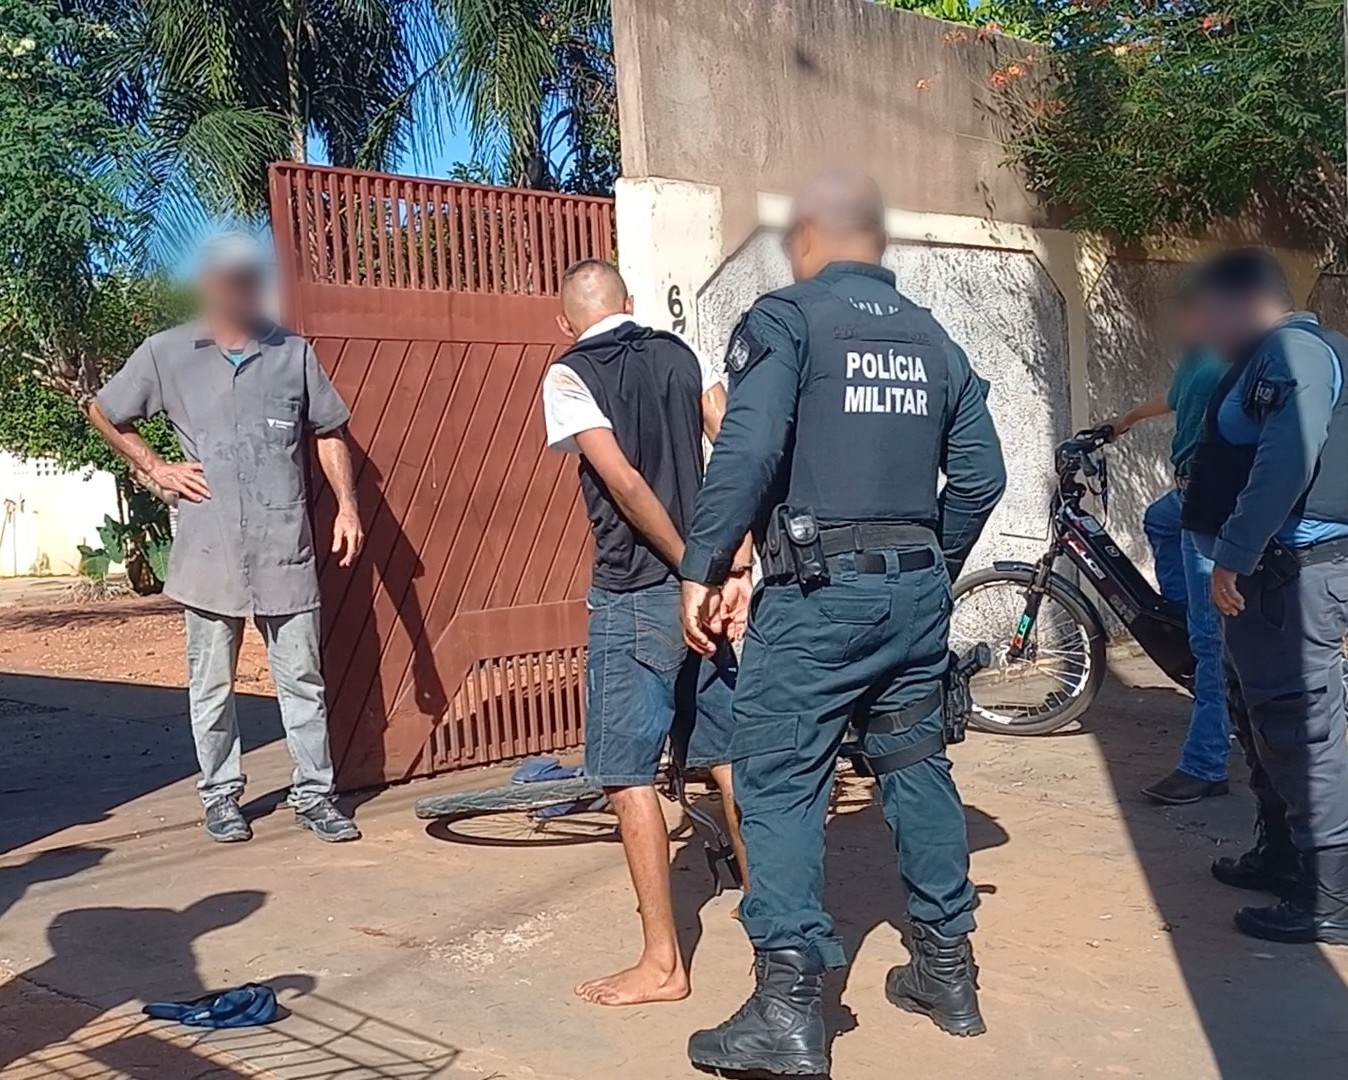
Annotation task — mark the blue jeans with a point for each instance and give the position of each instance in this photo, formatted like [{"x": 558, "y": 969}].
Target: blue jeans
[
  {"x": 1209, "y": 740},
  {"x": 1161, "y": 523},
  {"x": 292, "y": 652},
  {"x": 1185, "y": 575}
]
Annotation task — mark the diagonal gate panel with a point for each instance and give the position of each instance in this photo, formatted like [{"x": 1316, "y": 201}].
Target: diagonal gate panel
[{"x": 458, "y": 636}]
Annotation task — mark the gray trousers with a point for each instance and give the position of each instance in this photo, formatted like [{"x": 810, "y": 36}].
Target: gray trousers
[
  {"x": 292, "y": 653},
  {"x": 1287, "y": 648}
]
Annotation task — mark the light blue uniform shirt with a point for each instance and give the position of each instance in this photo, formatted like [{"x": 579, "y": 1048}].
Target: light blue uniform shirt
[{"x": 1296, "y": 366}]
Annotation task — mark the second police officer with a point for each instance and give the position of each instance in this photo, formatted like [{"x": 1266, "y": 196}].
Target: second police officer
[
  {"x": 847, "y": 403},
  {"x": 1268, "y": 501}
]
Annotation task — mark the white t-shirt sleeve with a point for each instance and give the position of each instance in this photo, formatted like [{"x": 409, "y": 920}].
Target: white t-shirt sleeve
[
  {"x": 710, "y": 376},
  {"x": 569, "y": 408}
]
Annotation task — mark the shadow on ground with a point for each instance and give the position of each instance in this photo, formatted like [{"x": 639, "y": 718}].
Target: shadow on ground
[
  {"x": 96, "y": 954},
  {"x": 76, "y": 749},
  {"x": 1266, "y": 1009},
  {"x": 78, "y": 1006}
]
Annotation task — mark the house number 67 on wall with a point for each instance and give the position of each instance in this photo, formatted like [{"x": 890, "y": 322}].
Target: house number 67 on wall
[{"x": 675, "y": 301}]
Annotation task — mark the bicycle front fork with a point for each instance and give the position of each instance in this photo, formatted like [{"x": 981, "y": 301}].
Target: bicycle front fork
[{"x": 1034, "y": 596}]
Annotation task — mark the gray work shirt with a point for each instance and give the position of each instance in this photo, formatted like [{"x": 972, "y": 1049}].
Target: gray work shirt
[{"x": 248, "y": 549}]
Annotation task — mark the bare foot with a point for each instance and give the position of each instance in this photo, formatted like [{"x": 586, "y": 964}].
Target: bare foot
[{"x": 636, "y": 986}]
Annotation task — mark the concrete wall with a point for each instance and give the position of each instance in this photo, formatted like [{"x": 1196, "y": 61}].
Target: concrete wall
[
  {"x": 747, "y": 95},
  {"x": 725, "y": 104},
  {"x": 47, "y": 513}
]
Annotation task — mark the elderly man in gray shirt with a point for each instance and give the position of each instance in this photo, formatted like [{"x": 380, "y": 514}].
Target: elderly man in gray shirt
[{"x": 242, "y": 394}]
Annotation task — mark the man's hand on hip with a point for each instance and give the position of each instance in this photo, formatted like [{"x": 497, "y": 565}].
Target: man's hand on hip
[
  {"x": 347, "y": 537},
  {"x": 187, "y": 479},
  {"x": 1225, "y": 595},
  {"x": 702, "y": 618}
]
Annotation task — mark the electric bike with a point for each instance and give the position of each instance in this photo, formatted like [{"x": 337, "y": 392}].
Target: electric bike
[{"x": 1048, "y": 638}]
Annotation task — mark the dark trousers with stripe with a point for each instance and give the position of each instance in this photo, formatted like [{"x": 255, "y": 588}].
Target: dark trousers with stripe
[{"x": 816, "y": 663}]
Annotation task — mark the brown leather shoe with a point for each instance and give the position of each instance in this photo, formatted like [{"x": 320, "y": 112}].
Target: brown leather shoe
[{"x": 1180, "y": 789}]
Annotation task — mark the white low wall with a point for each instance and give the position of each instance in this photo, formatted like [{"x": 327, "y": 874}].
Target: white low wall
[{"x": 46, "y": 513}]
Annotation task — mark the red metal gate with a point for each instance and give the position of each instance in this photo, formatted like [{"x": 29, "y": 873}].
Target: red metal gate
[{"x": 458, "y": 637}]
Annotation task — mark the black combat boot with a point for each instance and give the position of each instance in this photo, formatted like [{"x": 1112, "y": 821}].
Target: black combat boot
[
  {"x": 1273, "y": 865},
  {"x": 940, "y": 982},
  {"x": 1320, "y": 913},
  {"x": 779, "y": 1031}
]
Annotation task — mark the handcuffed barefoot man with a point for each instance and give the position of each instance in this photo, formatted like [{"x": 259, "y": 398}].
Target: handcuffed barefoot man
[{"x": 634, "y": 403}]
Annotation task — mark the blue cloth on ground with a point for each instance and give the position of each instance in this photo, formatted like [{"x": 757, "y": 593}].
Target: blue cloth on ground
[
  {"x": 244, "y": 1006},
  {"x": 537, "y": 770}
]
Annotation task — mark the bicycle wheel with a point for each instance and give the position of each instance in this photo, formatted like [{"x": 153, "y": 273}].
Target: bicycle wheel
[
  {"x": 1061, "y": 664},
  {"x": 508, "y": 799}
]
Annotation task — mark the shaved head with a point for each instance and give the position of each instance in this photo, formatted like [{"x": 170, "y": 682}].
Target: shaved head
[
  {"x": 841, "y": 202},
  {"x": 592, "y": 290},
  {"x": 838, "y": 215}
]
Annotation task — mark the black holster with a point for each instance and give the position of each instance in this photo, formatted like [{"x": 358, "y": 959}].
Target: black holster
[
  {"x": 1277, "y": 566},
  {"x": 956, "y": 703},
  {"x": 959, "y": 700}
]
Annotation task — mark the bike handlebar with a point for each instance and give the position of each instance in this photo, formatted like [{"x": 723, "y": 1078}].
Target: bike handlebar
[
  {"x": 1087, "y": 442},
  {"x": 1081, "y": 454}
]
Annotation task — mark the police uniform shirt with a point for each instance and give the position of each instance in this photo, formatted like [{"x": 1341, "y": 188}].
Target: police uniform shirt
[
  {"x": 766, "y": 360},
  {"x": 569, "y": 408},
  {"x": 1294, "y": 383},
  {"x": 248, "y": 549}
]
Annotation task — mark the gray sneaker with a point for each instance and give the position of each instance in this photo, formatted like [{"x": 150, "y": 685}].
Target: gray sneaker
[
  {"x": 225, "y": 823},
  {"x": 327, "y": 823}
]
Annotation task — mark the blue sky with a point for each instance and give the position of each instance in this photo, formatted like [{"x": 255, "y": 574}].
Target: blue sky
[{"x": 455, "y": 146}]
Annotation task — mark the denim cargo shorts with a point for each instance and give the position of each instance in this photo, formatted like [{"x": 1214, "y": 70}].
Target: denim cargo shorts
[{"x": 644, "y": 686}]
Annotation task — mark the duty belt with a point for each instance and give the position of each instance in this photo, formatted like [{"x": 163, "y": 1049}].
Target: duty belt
[
  {"x": 863, "y": 542},
  {"x": 1326, "y": 551}
]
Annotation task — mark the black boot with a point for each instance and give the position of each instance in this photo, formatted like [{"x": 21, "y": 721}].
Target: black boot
[
  {"x": 940, "y": 982},
  {"x": 1273, "y": 865},
  {"x": 1319, "y": 914},
  {"x": 779, "y": 1030}
]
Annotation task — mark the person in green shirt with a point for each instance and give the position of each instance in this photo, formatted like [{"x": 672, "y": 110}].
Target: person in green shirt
[{"x": 1185, "y": 576}]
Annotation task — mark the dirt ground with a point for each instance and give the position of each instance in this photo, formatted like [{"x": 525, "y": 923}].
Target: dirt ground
[
  {"x": 1106, "y": 948},
  {"x": 131, "y": 638}
]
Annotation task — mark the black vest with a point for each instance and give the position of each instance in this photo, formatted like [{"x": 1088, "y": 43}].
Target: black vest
[
  {"x": 649, "y": 385},
  {"x": 871, "y": 414},
  {"x": 1221, "y": 469}
]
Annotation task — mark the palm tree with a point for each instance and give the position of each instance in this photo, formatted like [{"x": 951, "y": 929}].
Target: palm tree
[
  {"x": 221, "y": 88},
  {"x": 534, "y": 79}
]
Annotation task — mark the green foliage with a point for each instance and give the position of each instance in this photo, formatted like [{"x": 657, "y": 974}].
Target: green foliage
[
  {"x": 1172, "y": 113},
  {"x": 994, "y": 14},
  {"x": 72, "y": 302},
  {"x": 64, "y": 167},
  {"x": 221, "y": 88},
  {"x": 536, "y": 83},
  {"x": 141, "y": 541},
  {"x": 41, "y": 419}
]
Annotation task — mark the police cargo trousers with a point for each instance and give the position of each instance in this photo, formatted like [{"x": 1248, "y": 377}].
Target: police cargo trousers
[
  {"x": 1287, "y": 648},
  {"x": 292, "y": 654},
  {"x": 863, "y": 644}
]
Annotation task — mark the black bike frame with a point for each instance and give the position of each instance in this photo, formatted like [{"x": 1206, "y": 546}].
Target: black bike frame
[{"x": 1156, "y": 623}]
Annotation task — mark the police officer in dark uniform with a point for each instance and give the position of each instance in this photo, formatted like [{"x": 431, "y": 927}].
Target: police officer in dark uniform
[
  {"x": 847, "y": 401},
  {"x": 1268, "y": 501}
]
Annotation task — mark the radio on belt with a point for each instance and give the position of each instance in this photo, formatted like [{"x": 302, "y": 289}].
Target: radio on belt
[{"x": 807, "y": 551}]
